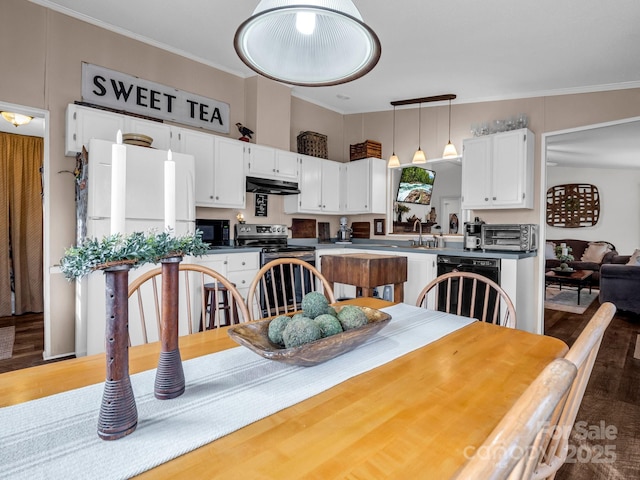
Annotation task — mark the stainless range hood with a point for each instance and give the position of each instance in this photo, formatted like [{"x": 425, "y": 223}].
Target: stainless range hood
[{"x": 271, "y": 187}]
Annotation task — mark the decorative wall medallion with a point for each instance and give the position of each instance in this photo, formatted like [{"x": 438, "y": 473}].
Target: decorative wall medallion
[{"x": 573, "y": 205}]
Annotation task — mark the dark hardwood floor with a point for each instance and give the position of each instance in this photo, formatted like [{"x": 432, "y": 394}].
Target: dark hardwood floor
[
  {"x": 611, "y": 404},
  {"x": 612, "y": 398},
  {"x": 29, "y": 342}
]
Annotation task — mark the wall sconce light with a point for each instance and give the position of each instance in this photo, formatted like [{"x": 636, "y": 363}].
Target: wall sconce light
[
  {"x": 17, "y": 119},
  {"x": 394, "y": 161},
  {"x": 450, "y": 148},
  {"x": 312, "y": 44},
  {"x": 419, "y": 156}
]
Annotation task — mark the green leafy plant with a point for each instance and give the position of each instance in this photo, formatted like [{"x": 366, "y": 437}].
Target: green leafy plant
[
  {"x": 134, "y": 249},
  {"x": 564, "y": 258}
]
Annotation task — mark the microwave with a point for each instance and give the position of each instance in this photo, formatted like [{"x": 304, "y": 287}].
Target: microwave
[
  {"x": 520, "y": 237},
  {"x": 214, "y": 232}
]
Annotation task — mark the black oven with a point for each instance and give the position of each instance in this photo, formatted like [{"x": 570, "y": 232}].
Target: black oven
[
  {"x": 214, "y": 232},
  {"x": 272, "y": 239}
]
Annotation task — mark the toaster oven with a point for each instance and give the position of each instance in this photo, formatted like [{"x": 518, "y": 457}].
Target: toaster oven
[{"x": 521, "y": 237}]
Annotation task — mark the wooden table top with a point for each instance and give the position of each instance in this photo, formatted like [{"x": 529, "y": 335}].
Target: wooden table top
[
  {"x": 579, "y": 275},
  {"x": 414, "y": 417}
]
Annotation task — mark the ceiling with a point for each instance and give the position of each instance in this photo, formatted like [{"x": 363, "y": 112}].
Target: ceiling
[{"x": 480, "y": 51}]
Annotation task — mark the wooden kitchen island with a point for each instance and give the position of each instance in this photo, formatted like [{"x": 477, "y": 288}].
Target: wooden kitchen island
[{"x": 367, "y": 271}]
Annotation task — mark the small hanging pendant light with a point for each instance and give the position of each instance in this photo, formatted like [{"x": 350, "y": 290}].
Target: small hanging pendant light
[
  {"x": 450, "y": 148},
  {"x": 419, "y": 156},
  {"x": 394, "y": 161}
]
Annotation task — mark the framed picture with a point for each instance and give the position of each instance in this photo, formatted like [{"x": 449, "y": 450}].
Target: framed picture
[
  {"x": 261, "y": 205},
  {"x": 379, "y": 226}
]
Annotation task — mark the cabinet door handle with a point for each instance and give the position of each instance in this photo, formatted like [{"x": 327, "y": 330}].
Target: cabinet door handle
[
  {"x": 243, "y": 264},
  {"x": 211, "y": 196},
  {"x": 494, "y": 198},
  {"x": 486, "y": 199}
]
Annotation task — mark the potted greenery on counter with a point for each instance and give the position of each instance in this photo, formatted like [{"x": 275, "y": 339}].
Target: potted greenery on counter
[{"x": 134, "y": 249}]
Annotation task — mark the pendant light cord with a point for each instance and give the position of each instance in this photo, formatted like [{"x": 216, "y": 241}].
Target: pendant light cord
[
  {"x": 449, "y": 120},
  {"x": 419, "y": 126},
  {"x": 394, "y": 131}
]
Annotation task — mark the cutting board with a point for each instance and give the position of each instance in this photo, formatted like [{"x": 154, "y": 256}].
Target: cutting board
[
  {"x": 361, "y": 229},
  {"x": 303, "y": 228}
]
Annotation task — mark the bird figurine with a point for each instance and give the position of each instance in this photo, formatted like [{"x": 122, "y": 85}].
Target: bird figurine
[{"x": 245, "y": 132}]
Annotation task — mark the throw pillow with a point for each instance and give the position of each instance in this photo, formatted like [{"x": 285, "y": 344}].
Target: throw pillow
[
  {"x": 635, "y": 258},
  {"x": 549, "y": 250},
  {"x": 595, "y": 252}
]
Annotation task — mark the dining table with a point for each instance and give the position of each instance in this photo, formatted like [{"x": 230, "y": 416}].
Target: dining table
[{"x": 421, "y": 415}]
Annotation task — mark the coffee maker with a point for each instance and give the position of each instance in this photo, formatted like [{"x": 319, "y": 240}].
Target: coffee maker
[
  {"x": 344, "y": 233},
  {"x": 473, "y": 234}
]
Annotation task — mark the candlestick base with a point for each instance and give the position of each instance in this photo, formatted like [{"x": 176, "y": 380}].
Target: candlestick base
[
  {"x": 118, "y": 413},
  {"x": 169, "y": 376}
]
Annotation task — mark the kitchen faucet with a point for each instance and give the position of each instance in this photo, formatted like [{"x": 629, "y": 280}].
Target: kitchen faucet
[{"x": 420, "y": 234}]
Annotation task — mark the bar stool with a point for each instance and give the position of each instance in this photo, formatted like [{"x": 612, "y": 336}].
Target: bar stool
[{"x": 229, "y": 308}]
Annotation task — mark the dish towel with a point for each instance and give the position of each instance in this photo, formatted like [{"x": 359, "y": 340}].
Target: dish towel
[{"x": 56, "y": 436}]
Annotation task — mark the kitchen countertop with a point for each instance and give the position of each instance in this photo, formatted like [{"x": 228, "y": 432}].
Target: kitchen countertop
[{"x": 402, "y": 246}]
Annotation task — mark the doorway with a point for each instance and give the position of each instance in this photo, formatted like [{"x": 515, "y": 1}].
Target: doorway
[{"x": 29, "y": 186}]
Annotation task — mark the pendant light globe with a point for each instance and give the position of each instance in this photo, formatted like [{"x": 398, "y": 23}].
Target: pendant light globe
[
  {"x": 419, "y": 156},
  {"x": 305, "y": 43},
  {"x": 450, "y": 148}
]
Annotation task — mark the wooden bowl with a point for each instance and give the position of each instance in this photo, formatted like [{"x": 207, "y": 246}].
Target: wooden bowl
[
  {"x": 254, "y": 336},
  {"x": 137, "y": 139}
]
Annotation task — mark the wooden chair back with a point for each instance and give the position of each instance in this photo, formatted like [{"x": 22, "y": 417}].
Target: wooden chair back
[
  {"x": 280, "y": 285},
  {"x": 469, "y": 295},
  {"x": 145, "y": 302},
  {"x": 509, "y": 448},
  {"x": 583, "y": 355}
]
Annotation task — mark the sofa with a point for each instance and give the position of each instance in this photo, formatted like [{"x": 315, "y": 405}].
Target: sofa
[
  {"x": 620, "y": 282},
  {"x": 578, "y": 249}
]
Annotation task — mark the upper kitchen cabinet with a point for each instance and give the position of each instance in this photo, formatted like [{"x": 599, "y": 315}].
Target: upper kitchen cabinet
[
  {"x": 497, "y": 171},
  {"x": 219, "y": 168},
  {"x": 364, "y": 186},
  {"x": 267, "y": 162},
  {"x": 319, "y": 186},
  {"x": 85, "y": 123}
]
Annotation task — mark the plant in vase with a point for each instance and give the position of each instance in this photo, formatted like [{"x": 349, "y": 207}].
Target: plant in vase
[
  {"x": 400, "y": 209},
  {"x": 134, "y": 249},
  {"x": 563, "y": 253}
]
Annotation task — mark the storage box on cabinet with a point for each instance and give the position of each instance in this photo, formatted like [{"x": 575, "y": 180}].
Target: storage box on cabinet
[{"x": 497, "y": 171}]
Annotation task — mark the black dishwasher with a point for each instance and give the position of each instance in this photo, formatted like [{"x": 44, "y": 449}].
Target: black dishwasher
[{"x": 487, "y": 267}]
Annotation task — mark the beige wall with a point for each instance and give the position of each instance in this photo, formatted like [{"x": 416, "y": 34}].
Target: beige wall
[{"x": 46, "y": 74}]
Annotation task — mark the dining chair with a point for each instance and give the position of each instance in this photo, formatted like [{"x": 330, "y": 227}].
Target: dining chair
[
  {"x": 511, "y": 445},
  {"x": 469, "y": 295},
  {"x": 198, "y": 284},
  {"x": 280, "y": 285},
  {"x": 582, "y": 354}
]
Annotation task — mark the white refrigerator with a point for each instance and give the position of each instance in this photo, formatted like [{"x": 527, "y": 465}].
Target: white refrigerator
[{"x": 144, "y": 210}]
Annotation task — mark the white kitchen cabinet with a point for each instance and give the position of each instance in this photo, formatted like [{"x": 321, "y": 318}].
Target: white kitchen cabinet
[
  {"x": 364, "y": 186},
  {"x": 85, "y": 123},
  {"x": 497, "y": 171},
  {"x": 219, "y": 168},
  {"x": 267, "y": 162},
  {"x": 241, "y": 270},
  {"x": 319, "y": 186}
]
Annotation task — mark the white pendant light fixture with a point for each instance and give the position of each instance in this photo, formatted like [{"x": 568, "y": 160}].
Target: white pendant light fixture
[
  {"x": 17, "y": 119},
  {"x": 309, "y": 43},
  {"x": 394, "y": 161},
  {"x": 419, "y": 156},
  {"x": 450, "y": 148}
]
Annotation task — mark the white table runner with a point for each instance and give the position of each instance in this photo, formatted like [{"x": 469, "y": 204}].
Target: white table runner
[{"x": 56, "y": 436}]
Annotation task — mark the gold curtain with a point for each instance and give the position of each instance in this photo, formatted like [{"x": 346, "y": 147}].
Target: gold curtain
[{"x": 21, "y": 223}]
